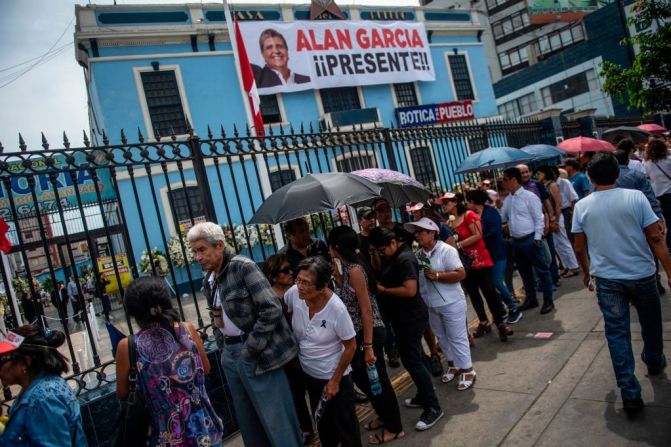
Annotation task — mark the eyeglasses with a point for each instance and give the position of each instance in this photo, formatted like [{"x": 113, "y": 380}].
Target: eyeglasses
[
  {"x": 286, "y": 270},
  {"x": 303, "y": 283}
]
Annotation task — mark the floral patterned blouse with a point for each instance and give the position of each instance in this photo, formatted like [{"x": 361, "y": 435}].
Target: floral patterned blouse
[
  {"x": 348, "y": 296},
  {"x": 172, "y": 380}
]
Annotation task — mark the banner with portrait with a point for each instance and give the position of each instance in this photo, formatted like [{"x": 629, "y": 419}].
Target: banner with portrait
[{"x": 294, "y": 56}]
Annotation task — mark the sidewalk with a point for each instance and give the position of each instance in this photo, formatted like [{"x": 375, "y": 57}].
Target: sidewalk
[{"x": 548, "y": 392}]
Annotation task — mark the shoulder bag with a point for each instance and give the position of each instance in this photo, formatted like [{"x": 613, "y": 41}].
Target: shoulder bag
[{"x": 135, "y": 420}]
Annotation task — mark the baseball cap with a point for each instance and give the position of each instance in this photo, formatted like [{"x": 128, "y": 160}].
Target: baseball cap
[
  {"x": 11, "y": 342},
  {"x": 364, "y": 211},
  {"x": 416, "y": 207},
  {"x": 447, "y": 196},
  {"x": 424, "y": 223}
]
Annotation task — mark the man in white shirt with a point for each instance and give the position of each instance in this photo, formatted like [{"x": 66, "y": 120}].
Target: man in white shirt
[
  {"x": 523, "y": 213},
  {"x": 619, "y": 227}
]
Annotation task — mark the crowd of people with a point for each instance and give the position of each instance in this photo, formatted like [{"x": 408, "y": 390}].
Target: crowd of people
[{"x": 317, "y": 327}]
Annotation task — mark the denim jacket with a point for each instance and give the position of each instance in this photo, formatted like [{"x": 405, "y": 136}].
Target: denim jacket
[
  {"x": 46, "y": 415},
  {"x": 251, "y": 304}
]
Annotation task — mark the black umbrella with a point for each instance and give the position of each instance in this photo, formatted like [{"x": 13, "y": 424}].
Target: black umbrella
[
  {"x": 619, "y": 133},
  {"x": 312, "y": 194}
]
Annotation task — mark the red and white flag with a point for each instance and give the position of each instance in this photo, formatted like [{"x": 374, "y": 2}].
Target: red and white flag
[
  {"x": 5, "y": 244},
  {"x": 249, "y": 83}
]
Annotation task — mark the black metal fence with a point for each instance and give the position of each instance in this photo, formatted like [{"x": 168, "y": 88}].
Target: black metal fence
[{"x": 106, "y": 214}]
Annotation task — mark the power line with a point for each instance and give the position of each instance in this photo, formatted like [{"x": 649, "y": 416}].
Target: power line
[
  {"x": 41, "y": 58},
  {"x": 53, "y": 55},
  {"x": 36, "y": 57}
]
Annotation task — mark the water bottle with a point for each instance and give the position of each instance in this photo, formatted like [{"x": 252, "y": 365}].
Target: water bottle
[{"x": 375, "y": 386}]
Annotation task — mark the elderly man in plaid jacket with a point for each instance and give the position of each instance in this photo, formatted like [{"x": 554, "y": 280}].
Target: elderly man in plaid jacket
[{"x": 257, "y": 340}]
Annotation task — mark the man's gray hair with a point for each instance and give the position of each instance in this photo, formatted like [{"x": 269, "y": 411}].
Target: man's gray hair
[{"x": 209, "y": 232}]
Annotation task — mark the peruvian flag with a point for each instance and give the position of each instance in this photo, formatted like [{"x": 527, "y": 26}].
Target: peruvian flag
[
  {"x": 249, "y": 83},
  {"x": 5, "y": 245}
]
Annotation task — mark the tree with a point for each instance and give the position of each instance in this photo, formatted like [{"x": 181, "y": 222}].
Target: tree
[{"x": 646, "y": 85}]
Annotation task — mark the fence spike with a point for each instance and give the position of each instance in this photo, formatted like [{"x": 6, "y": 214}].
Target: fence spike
[
  {"x": 45, "y": 143},
  {"x": 66, "y": 142},
  {"x": 157, "y": 134},
  {"x": 173, "y": 137},
  {"x": 248, "y": 130},
  {"x": 22, "y": 143},
  {"x": 106, "y": 140},
  {"x": 235, "y": 131},
  {"x": 140, "y": 137},
  {"x": 302, "y": 128},
  {"x": 311, "y": 128},
  {"x": 2, "y": 149},
  {"x": 270, "y": 130},
  {"x": 291, "y": 129},
  {"x": 87, "y": 143},
  {"x": 281, "y": 129},
  {"x": 223, "y": 132},
  {"x": 124, "y": 140},
  {"x": 209, "y": 132}
]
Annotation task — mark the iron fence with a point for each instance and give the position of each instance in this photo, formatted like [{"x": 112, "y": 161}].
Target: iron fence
[{"x": 106, "y": 214}]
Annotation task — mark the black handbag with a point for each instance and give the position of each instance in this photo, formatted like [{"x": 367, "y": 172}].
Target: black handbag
[
  {"x": 134, "y": 422},
  {"x": 466, "y": 260}
]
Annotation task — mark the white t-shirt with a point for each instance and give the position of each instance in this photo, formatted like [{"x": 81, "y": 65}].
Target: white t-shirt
[
  {"x": 444, "y": 258},
  {"x": 229, "y": 329},
  {"x": 320, "y": 338}
]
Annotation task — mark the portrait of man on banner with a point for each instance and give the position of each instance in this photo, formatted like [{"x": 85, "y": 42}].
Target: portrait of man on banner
[{"x": 276, "y": 71}]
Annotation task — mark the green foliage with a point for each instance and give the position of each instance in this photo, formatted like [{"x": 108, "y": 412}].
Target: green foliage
[{"x": 646, "y": 85}]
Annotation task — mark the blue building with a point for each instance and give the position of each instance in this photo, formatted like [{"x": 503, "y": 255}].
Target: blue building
[{"x": 159, "y": 70}]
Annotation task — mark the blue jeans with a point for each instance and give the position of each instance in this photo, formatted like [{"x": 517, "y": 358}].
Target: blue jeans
[
  {"x": 530, "y": 258},
  {"x": 554, "y": 268},
  {"x": 615, "y": 296},
  {"x": 263, "y": 404},
  {"x": 498, "y": 272}
]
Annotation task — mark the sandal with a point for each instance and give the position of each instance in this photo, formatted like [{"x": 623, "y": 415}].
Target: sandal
[
  {"x": 482, "y": 329},
  {"x": 464, "y": 383},
  {"x": 378, "y": 438},
  {"x": 373, "y": 425},
  {"x": 450, "y": 374},
  {"x": 570, "y": 274}
]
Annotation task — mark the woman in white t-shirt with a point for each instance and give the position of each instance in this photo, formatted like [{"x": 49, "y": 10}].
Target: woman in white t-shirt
[
  {"x": 326, "y": 341},
  {"x": 445, "y": 299},
  {"x": 658, "y": 168}
]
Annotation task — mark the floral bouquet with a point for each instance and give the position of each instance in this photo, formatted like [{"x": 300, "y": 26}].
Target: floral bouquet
[
  {"x": 424, "y": 261},
  {"x": 176, "y": 254},
  {"x": 145, "y": 261}
]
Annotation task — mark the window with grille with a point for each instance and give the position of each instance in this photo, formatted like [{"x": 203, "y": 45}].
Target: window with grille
[
  {"x": 422, "y": 165},
  {"x": 270, "y": 109},
  {"x": 461, "y": 76},
  {"x": 340, "y": 99},
  {"x": 182, "y": 198},
  {"x": 164, "y": 102},
  {"x": 356, "y": 162},
  {"x": 406, "y": 96},
  {"x": 281, "y": 177}
]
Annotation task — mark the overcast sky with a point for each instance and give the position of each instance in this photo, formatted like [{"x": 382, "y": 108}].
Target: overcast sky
[{"x": 41, "y": 85}]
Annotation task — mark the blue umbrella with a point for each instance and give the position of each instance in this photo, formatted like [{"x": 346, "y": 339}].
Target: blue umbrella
[
  {"x": 493, "y": 158},
  {"x": 543, "y": 151}
]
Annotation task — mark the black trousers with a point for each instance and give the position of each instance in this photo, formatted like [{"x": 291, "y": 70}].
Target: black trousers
[
  {"x": 296, "y": 380},
  {"x": 339, "y": 425},
  {"x": 409, "y": 324},
  {"x": 482, "y": 279},
  {"x": 385, "y": 403}
]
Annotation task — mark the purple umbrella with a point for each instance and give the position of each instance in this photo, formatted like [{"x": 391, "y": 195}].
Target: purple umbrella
[{"x": 397, "y": 188}]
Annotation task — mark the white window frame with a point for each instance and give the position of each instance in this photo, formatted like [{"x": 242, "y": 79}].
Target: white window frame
[
  {"x": 470, "y": 74},
  {"x": 149, "y": 129},
  {"x": 354, "y": 154},
  {"x": 283, "y": 114},
  {"x": 320, "y": 105},
  {"x": 395, "y": 100},
  {"x": 167, "y": 206},
  {"x": 284, "y": 167},
  {"x": 413, "y": 145}
]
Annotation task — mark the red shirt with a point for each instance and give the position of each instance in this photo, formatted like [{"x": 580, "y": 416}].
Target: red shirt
[{"x": 478, "y": 251}]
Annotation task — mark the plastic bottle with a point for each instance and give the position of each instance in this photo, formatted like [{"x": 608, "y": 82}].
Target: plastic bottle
[{"x": 375, "y": 386}]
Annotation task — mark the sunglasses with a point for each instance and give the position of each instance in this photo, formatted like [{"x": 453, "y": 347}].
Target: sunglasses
[{"x": 285, "y": 270}]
